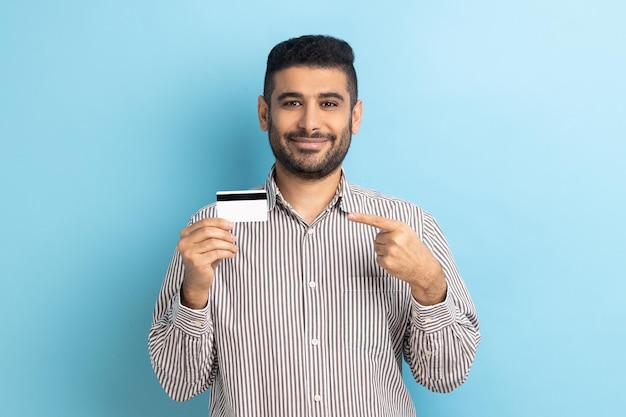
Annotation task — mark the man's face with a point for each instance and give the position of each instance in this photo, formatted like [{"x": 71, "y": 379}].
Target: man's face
[{"x": 309, "y": 120}]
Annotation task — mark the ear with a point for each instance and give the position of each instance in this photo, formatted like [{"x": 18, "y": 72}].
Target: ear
[
  {"x": 263, "y": 113},
  {"x": 357, "y": 112}
]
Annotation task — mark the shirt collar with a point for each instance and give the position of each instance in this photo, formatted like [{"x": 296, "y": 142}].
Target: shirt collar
[{"x": 343, "y": 197}]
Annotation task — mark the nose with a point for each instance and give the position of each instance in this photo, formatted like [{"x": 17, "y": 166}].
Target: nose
[{"x": 310, "y": 119}]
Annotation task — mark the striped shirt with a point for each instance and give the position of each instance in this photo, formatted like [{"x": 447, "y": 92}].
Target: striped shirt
[{"x": 304, "y": 322}]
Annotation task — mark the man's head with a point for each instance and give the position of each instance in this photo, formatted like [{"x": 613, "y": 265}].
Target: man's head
[
  {"x": 316, "y": 51},
  {"x": 310, "y": 107}
]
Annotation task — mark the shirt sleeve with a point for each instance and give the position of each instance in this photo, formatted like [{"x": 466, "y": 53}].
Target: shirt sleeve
[
  {"x": 181, "y": 340},
  {"x": 441, "y": 340}
]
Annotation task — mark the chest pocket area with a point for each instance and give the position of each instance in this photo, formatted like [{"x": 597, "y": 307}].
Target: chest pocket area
[{"x": 372, "y": 320}]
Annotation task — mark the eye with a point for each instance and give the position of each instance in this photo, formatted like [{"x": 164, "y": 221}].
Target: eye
[
  {"x": 291, "y": 103},
  {"x": 329, "y": 104}
]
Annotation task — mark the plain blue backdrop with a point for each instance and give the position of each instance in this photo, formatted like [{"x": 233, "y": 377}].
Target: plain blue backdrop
[{"x": 504, "y": 119}]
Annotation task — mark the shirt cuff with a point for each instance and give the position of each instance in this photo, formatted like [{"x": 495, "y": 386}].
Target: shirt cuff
[
  {"x": 193, "y": 322},
  {"x": 433, "y": 318}
]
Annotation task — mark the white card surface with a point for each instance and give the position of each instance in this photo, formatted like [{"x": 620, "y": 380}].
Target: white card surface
[{"x": 242, "y": 206}]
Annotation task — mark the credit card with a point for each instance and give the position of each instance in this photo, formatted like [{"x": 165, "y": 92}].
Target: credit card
[{"x": 242, "y": 206}]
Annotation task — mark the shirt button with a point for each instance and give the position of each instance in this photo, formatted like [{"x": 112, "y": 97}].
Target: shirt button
[
  {"x": 429, "y": 353},
  {"x": 197, "y": 323},
  {"x": 315, "y": 342},
  {"x": 317, "y": 398},
  {"x": 312, "y": 284},
  {"x": 428, "y": 319},
  {"x": 310, "y": 231},
  {"x": 415, "y": 314}
]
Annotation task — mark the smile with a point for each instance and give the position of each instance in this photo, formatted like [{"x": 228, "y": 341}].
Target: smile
[
  {"x": 309, "y": 140},
  {"x": 309, "y": 144}
]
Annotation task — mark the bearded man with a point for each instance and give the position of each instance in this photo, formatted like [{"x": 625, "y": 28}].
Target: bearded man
[{"x": 311, "y": 312}]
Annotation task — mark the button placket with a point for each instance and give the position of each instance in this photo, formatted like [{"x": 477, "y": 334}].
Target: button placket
[{"x": 311, "y": 267}]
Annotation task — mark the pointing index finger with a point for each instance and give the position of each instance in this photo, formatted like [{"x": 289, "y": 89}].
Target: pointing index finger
[{"x": 382, "y": 223}]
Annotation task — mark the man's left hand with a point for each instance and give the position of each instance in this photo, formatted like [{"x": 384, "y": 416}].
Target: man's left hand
[{"x": 401, "y": 253}]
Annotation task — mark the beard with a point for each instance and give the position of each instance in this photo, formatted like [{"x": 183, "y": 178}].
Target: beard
[{"x": 310, "y": 165}]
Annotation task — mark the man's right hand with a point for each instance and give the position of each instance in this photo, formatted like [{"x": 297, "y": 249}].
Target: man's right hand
[{"x": 203, "y": 245}]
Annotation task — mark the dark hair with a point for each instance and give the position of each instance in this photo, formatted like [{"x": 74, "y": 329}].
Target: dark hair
[{"x": 316, "y": 51}]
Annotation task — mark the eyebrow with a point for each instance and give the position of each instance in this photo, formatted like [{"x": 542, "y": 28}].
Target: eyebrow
[
  {"x": 331, "y": 95},
  {"x": 293, "y": 94}
]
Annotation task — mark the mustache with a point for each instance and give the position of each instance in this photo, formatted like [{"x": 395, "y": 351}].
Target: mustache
[{"x": 304, "y": 134}]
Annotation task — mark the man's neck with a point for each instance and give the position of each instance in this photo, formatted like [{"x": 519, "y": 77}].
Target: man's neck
[{"x": 307, "y": 197}]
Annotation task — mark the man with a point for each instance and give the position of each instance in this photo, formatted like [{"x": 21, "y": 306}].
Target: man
[{"x": 310, "y": 312}]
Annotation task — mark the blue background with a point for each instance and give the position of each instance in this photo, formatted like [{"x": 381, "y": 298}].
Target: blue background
[{"x": 506, "y": 120}]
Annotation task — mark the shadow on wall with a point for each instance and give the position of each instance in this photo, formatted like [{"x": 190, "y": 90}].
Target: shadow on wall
[
  {"x": 211, "y": 141},
  {"x": 225, "y": 147}
]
